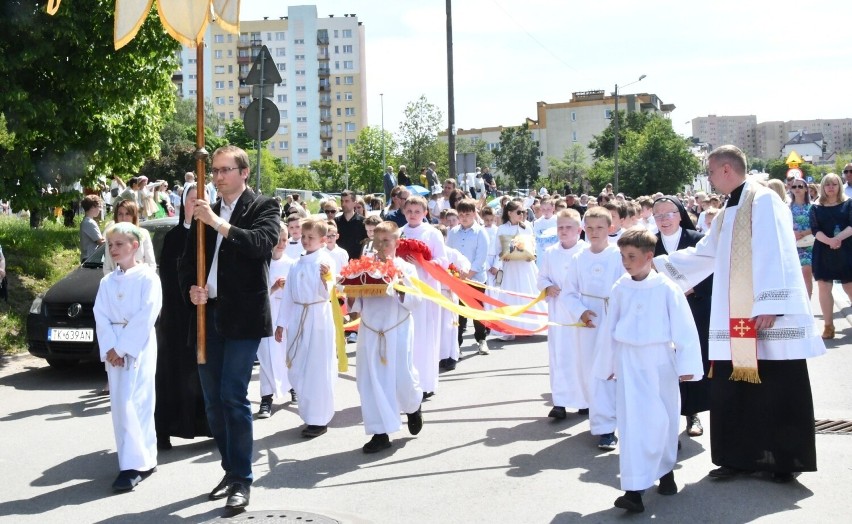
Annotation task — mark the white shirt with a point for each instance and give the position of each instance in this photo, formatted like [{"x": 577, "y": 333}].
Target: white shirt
[
  {"x": 670, "y": 242},
  {"x": 213, "y": 279}
]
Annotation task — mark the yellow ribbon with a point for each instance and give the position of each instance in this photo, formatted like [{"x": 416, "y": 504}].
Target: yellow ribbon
[{"x": 339, "y": 335}]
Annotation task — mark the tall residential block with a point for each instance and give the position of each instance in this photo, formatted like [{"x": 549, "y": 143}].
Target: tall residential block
[
  {"x": 322, "y": 95},
  {"x": 720, "y": 130}
]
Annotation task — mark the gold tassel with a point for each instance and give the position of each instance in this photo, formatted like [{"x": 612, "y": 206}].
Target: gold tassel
[{"x": 745, "y": 375}]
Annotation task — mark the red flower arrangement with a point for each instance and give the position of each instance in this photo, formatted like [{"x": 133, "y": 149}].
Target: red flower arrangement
[
  {"x": 367, "y": 277},
  {"x": 454, "y": 271},
  {"x": 411, "y": 247}
]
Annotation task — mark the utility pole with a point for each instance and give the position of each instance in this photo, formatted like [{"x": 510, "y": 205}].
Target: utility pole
[
  {"x": 384, "y": 162},
  {"x": 451, "y": 112},
  {"x": 615, "y": 138}
]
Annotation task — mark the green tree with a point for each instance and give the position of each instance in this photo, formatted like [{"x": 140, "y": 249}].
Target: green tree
[
  {"x": 365, "y": 159},
  {"x": 571, "y": 168},
  {"x": 518, "y": 156},
  {"x": 298, "y": 177},
  {"x": 78, "y": 108},
  {"x": 777, "y": 169},
  {"x": 603, "y": 145},
  {"x": 271, "y": 172},
  {"x": 7, "y": 139},
  {"x": 484, "y": 157},
  {"x": 179, "y": 127},
  {"x": 418, "y": 134},
  {"x": 235, "y": 134},
  {"x": 329, "y": 174},
  {"x": 757, "y": 163}
]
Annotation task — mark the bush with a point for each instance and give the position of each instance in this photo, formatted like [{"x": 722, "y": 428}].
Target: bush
[{"x": 35, "y": 260}]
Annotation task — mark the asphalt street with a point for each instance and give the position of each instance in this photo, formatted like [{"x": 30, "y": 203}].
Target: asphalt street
[{"x": 487, "y": 453}]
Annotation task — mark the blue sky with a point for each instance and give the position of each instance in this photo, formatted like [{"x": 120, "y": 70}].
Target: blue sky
[{"x": 778, "y": 60}]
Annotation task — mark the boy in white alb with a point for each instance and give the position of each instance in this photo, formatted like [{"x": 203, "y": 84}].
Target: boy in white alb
[
  {"x": 338, "y": 254},
  {"x": 270, "y": 353},
  {"x": 294, "y": 229},
  {"x": 566, "y": 371},
  {"x": 126, "y": 308},
  {"x": 449, "y": 345},
  {"x": 648, "y": 342},
  {"x": 427, "y": 316},
  {"x": 384, "y": 372},
  {"x": 305, "y": 320},
  {"x": 591, "y": 275},
  {"x": 488, "y": 219},
  {"x": 544, "y": 229}
]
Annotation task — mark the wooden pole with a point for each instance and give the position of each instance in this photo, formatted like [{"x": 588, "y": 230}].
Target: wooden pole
[{"x": 200, "y": 174}]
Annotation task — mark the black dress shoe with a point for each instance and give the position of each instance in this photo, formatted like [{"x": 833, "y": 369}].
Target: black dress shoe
[
  {"x": 583, "y": 411},
  {"x": 379, "y": 442},
  {"x": 631, "y": 501},
  {"x": 782, "y": 477},
  {"x": 164, "y": 443},
  {"x": 239, "y": 497},
  {"x": 428, "y": 394},
  {"x": 667, "y": 484},
  {"x": 449, "y": 364},
  {"x": 312, "y": 431},
  {"x": 127, "y": 480},
  {"x": 693, "y": 426},
  {"x": 222, "y": 489},
  {"x": 415, "y": 422},
  {"x": 725, "y": 472},
  {"x": 558, "y": 412}
]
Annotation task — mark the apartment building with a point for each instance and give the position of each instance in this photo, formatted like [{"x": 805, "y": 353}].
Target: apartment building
[
  {"x": 321, "y": 99},
  {"x": 719, "y": 130},
  {"x": 560, "y": 125}
]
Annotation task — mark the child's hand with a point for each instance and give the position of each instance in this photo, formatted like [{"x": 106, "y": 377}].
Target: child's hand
[
  {"x": 586, "y": 318},
  {"x": 278, "y": 284},
  {"x": 113, "y": 359},
  {"x": 325, "y": 273},
  {"x": 553, "y": 291},
  {"x": 686, "y": 378},
  {"x": 279, "y": 334}
]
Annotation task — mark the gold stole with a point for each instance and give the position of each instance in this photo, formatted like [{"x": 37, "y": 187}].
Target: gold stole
[{"x": 743, "y": 334}]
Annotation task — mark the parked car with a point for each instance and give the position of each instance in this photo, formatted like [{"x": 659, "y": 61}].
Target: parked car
[{"x": 61, "y": 322}]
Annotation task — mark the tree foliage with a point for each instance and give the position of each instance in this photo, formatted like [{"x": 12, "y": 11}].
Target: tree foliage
[
  {"x": 235, "y": 134},
  {"x": 572, "y": 168},
  {"x": 652, "y": 158},
  {"x": 603, "y": 145},
  {"x": 329, "y": 175},
  {"x": 777, "y": 169},
  {"x": 365, "y": 159},
  {"x": 77, "y": 107},
  {"x": 418, "y": 134},
  {"x": 518, "y": 156}
]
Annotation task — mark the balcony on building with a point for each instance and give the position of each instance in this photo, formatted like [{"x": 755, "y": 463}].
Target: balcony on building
[
  {"x": 244, "y": 90},
  {"x": 257, "y": 43},
  {"x": 325, "y": 101},
  {"x": 322, "y": 37},
  {"x": 243, "y": 43},
  {"x": 324, "y": 86},
  {"x": 325, "y": 117},
  {"x": 244, "y": 60},
  {"x": 325, "y": 133},
  {"x": 322, "y": 55},
  {"x": 324, "y": 70},
  {"x": 326, "y": 153}
]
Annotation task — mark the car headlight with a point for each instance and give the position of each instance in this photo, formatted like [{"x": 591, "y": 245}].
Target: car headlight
[{"x": 35, "y": 308}]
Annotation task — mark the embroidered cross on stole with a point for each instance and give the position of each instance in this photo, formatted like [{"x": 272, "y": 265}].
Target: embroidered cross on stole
[{"x": 743, "y": 335}]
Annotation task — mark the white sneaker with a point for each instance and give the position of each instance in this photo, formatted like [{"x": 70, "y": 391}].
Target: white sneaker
[{"x": 483, "y": 348}]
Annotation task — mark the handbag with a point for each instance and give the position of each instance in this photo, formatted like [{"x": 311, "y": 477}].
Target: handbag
[
  {"x": 517, "y": 247},
  {"x": 806, "y": 241}
]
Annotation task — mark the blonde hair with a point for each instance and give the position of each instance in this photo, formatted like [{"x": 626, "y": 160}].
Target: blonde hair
[
  {"x": 598, "y": 212},
  {"x": 127, "y": 229},
  {"x": 570, "y": 214},
  {"x": 841, "y": 195},
  {"x": 315, "y": 224},
  {"x": 387, "y": 227}
]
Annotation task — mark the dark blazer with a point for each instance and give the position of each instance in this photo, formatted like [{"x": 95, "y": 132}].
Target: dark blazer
[
  {"x": 243, "y": 270},
  {"x": 389, "y": 182},
  {"x": 689, "y": 238}
]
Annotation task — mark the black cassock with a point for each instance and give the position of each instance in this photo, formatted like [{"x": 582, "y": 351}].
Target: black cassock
[
  {"x": 695, "y": 396},
  {"x": 180, "y": 403}
]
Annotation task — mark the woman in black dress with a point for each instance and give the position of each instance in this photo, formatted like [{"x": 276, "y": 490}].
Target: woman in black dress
[
  {"x": 678, "y": 232},
  {"x": 180, "y": 404},
  {"x": 831, "y": 225}
]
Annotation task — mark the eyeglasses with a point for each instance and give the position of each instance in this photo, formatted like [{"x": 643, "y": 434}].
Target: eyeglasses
[
  {"x": 224, "y": 170},
  {"x": 847, "y": 171},
  {"x": 797, "y": 187},
  {"x": 666, "y": 216},
  {"x": 330, "y": 211},
  {"x": 520, "y": 212}
]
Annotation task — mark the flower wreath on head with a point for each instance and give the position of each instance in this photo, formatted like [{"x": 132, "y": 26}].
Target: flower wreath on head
[{"x": 366, "y": 277}]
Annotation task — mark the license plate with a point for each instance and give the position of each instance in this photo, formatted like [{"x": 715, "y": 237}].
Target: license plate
[{"x": 71, "y": 335}]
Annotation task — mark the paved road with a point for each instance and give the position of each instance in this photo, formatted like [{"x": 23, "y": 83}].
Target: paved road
[{"x": 487, "y": 453}]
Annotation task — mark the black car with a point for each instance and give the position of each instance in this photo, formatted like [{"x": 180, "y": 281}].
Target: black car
[{"x": 61, "y": 323}]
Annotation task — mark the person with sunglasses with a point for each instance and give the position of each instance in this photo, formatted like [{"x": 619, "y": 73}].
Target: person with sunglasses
[
  {"x": 847, "y": 174},
  {"x": 800, "y": 207}
]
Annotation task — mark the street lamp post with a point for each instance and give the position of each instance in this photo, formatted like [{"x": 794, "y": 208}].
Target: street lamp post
[
  {"x": 615, "y": 134},
  {"x": 346, "y": 153},
  {"x": 384, "y": 163}
]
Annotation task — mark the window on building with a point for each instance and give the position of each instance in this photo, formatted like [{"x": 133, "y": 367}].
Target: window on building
[
  {"x": 230, "y": 84},
  {"x": 283, "y": 144},
  {"x": 301, "y": 119},
  {"x": 350, "y": 127},
  {"x": 280, "y": 35},
  {"x": 193, "y": 77},
  {"x": 230, "y": 100},
  {"x": 303, "y": 151},
  {"x": 272, "y": 145},
  {"x": 339, "y": 128},
  {"x": 337, "y": 49},
  {"x": 336, "y": 64},
  {"x": 230, "y": 53},
  {"x": 339, "y": 142},
  {"x": 347, "y": 49},
  {"x": 336, "y": 33},
  {"x": 347, "y": 96},
  {"x": 300, "y": 72},
  {"x": 255, "y": 35},
  {"x": 349, "y": 80},
  {"x": 301, "y": 88},
  {"x": 282, "y": 67},
  {"x": 301, "y": 103},
  {"x": 339, "y": 112},
  {"x": 283, "y": 130},
  {"x": 347, "y": 33},
  {"x": 222, "y": 115},
  {"x": 230, "y": 69},
  {"x": 230, "y": 38},
  {"x": 220, "y": 100},
  {"x": 280, "y": 51},
  {"x": 350, "y": 111},
  {"x": 220, "y": 84},
  {"x": 283, "y": 114},
  {"x": 299, "y": 41},
  {"x": 282, "y": 98},
  {"x": 219, "y": 69},
  {"x": 219, "y": 39},
  {"x": 191, "y": 61},
  {"x": 574, "y": 136},
  {"x": 608, "y": 114},
  {"x": 231, "y": 115},
  {"x": 337, "y": 95},
  {"x": 573, "y": 116},
  {"x": 269, "y": 36},
  {"x": 301, "y": 135},
  {"x": 337, "y": 80},
  {"x": 348, "y": 64},
  {"x": 217, "y": 53},
  {"x": 300, "y": 57}
]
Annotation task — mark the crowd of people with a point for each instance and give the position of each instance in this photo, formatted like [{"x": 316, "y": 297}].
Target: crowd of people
[{"x": 655, "y": 308}]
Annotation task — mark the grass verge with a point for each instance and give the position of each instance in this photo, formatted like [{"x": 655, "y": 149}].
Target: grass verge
[{"x": 35, "y": 260}]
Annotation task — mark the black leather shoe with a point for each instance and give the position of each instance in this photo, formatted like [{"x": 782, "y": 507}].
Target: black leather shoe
[
  {"x": 558, "y": 412},
  {"x": 631, "y": 501},
  {"x": 450, "y": 364},
  {"x": 583, "y": 411},
  {"x": 667, "y": 484},
  {"x": 222, "y": 489},
  {"x": 311, "y": 431},
  {"x": 126, "y": 480},
  {"x": 379, "y": 442},
  {"x": 239, "y": 497},
  {"x": 428, "y": 394},
  {"x": 164, "y": 443},
  {"x": 725, "y": 472},
  {"x": 415, "y": 422},
  {"x": 693, "y": 426},
  {"x": 782, "y": 477}
]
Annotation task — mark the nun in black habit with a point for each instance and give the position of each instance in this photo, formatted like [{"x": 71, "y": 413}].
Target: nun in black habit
[
  {"x": 180, "y": 408},
  {"x": 676, "y": 232}
]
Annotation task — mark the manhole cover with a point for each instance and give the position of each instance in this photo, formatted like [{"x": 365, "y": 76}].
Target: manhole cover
[
  {"x": 277, "y": 517},
  {"x": 834, "y": 427}
]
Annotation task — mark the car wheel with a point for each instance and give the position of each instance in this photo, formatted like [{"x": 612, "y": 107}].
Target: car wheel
[{"x": 62, "y": 363}]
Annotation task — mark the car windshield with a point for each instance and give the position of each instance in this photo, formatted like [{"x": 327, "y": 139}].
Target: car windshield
[{"x": 157, "y": 229}]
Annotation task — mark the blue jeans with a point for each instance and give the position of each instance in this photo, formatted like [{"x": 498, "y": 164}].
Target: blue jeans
[{"x": 224, "y": 380}]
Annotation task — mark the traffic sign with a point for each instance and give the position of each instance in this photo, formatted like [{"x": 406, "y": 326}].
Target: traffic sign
[
  {"x": 264, "y": 63},
  {"x": 271, "y": 118}
]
